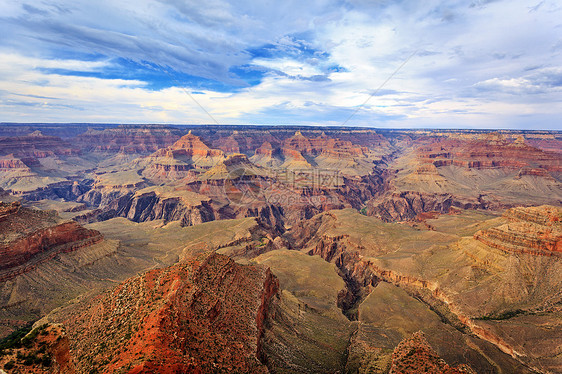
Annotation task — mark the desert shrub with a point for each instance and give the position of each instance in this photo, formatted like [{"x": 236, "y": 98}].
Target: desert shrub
[{"x": 9, "y": 365}]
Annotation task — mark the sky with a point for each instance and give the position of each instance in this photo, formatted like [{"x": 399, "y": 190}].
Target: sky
[{"x": 375, "y": 63}]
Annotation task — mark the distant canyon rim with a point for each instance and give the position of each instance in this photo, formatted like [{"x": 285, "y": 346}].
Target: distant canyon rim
[{"x": 279, "y": 249}]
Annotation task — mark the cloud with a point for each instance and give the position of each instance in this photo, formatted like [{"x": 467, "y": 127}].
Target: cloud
[
  {"x": 540, "y": 81},
  {"x": 476, "y": 64}
]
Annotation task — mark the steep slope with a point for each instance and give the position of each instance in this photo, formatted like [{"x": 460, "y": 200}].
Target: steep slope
[
  {"x": 464, "y": 282},
  {"x": 536, "y": 230},
  {"x": 43, "y": 262},
  {"x": 204, "y": 315},
  {"x": 415, "y": 355},
  {"x": 128, "y": 139},
  {"x": 175, "y": 162},
  {"x": 306, "y": 332},
  {"x": 486, "y": 172},
  {"x": 30, "y": 237}
]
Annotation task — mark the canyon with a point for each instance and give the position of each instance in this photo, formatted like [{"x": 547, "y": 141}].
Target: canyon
[{"x": 282, "y": 249}]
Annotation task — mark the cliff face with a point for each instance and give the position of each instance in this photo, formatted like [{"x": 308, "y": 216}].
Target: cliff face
[
  {"x": 490, "y": 151},
  {"x": 410, "y": 205},
  {"x": 178, "y": 160},
  {"x": 529, "y": 280},
  {"x": 415, "y": 355},
  {"x": 35, "y": 146},
  {"x": 128, "y": 140},
  {"x": 189, "y": 145},
  {"x": 205, "y": 315},
  {"x": 536, "y": 230},
  {"x": 32, "y": 237}
]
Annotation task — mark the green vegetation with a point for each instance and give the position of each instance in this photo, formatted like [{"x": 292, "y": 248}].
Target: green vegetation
[
  {"x": 14, "y": 340},
  {"x": 24, "y": 337},
  {"x": 9, "y": 365},
  {"x": 502, "y": 316}
]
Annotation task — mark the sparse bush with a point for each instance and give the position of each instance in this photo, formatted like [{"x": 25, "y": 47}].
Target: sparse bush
[
  {"x": 14, "y": 339},
  {"x": 9, "y": 365}
]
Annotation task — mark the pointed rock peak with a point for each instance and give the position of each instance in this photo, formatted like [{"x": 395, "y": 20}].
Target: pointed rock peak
[
  {"x": 298, "y": 133},
  {"x": 235, "y": 132},
  {"x": 519, "y": 140},
  {"x": 235, "y": 158},
  {"x": 36, "y": 133},
  {"x": 189, "y": 133}
]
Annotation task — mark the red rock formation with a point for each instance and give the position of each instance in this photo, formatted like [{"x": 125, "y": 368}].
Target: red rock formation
[
  {"x": 32, "y": 237},
  {"x": 266, "y": 149},
  {"x": 408, "y": 205},
  {"x": 128, "y": 140},
  {"x": 189, "y": 145},
  {"x": 414, "y": 355},
  {"x": 35, "y": 146},
  {"x": 206, "y": 315},
  {"x": 490, "y": 151},
  {"x": 321, "y": 145},
  {"x": 46, "y": 349},
  {"x": 550, "y": 144},
  {"x": 176, "y": 161},
  {"x": 536, "y": 231},
  {"x": 11, "y": 162},
  {"x": 243, "y": 142}
]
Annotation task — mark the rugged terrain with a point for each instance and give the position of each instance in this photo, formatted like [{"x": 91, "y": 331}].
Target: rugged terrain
[{"x": 279, "y": 249}]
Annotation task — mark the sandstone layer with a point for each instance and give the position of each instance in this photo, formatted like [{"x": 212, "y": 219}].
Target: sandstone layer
[{"x": 204, "y": 315}]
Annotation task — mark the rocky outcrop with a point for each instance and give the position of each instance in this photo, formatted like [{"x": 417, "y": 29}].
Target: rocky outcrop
[
  {"x": 190, "y": 146},
  {"x": 205, "y": 315},
  {"x": 487, "y": 152},
  {"x": 67, "y": 190},
  {"x": 409, "y": 205},
  {"x": 128, "y": 139},
  {"x": 150, "y": 206},
  {"x": 33, "y": 237},
  {"x": 242, "y": 141},
  {"x": 44, "y": 349},
  {"x": 178, "y": 160},
  {"x": 35, "y": 146},
  {"x": 535, "y": 230},
  {"x": 415, "y": 355},
  {"x": 11, "y": 162}
]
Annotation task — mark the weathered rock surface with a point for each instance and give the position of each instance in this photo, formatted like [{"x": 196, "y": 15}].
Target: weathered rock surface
[
  {"x": 177, "y": 160},
  {"x": 128, "y": 139},
  {"x": 31, "y": 237},
  {"x": 36, "y": 145},
  {"x": 415, "y": 355},
  {"x": 205, "y": 315},
  {"x": 490, "y": 151},
  {"x": 536, "y": 230},
  {"x": 410, "y": 205}
]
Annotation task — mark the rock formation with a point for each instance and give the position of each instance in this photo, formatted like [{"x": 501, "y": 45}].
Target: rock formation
[
  {"x": 31, "y": 237},
  {"x": 415, "y": 355},
  {"x": 35, "y": 145},
  {"x": 536, "y": 230},
  {"x": 128, "y": 139},
  {"x": 205, "y": 315},
  {"x": 489, "y": 151},
  {"x": 176, "y": 161},
  {"x": 411, "y": 205}
]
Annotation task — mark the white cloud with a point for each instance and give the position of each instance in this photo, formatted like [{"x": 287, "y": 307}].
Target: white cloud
[{"x": 471, "y": 68}]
